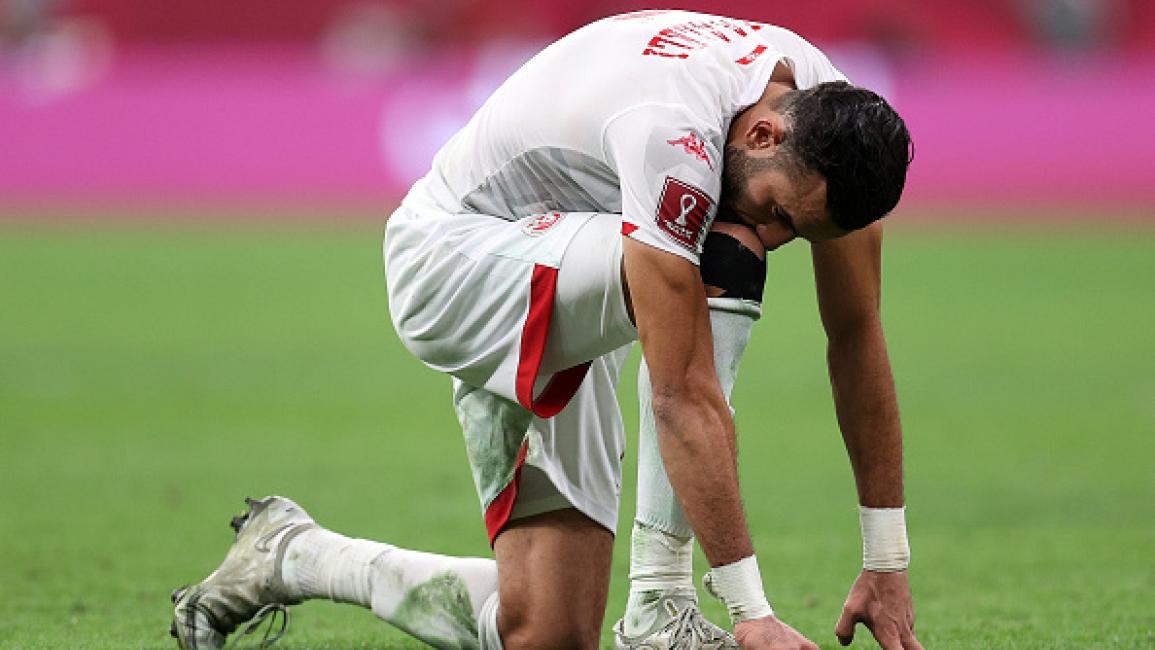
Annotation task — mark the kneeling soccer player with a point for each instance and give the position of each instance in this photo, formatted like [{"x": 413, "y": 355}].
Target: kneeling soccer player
[{"x": 565, "y": 221}]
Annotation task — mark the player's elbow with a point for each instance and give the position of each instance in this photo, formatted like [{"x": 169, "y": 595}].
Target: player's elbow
[
  {"x": 667, "y": 406},
  {"x": 691, "y": 415},
  {"x": 854, "y": 331}
]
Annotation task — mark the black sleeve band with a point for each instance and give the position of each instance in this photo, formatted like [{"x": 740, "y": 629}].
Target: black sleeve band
[{"x": 727, "y": 264}]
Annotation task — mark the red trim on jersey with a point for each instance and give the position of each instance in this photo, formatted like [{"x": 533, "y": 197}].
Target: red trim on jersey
[
  {"x": 562, "y": 386},
  {"x": 628, "y": 228},
  {"x": 497, "y": 514}
]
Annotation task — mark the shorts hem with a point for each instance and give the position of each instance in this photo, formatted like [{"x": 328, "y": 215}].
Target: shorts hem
[{"x": 540, "y": 506}]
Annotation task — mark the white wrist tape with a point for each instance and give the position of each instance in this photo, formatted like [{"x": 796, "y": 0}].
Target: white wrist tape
[
  {"x": 739, "y": 587},
  {"x": 884, "y": 544}
]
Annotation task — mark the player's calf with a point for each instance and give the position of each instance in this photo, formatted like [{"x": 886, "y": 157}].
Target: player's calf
[{"x": 554, "y": 578}]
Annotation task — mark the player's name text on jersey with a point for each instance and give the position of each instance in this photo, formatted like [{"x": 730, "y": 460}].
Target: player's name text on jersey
[
  {"x": 752, "y": 56},
  {"x": 681, "y": 40}
]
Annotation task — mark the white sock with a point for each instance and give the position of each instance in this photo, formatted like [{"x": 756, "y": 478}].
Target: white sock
[
  {"x": 487, "y": 625},
  {"x": 661, "y": 557},
  {"x": 731, "y": 323},
  {"x": 657, "y": 506},
  {"x": 661, "y": 565},
  {"x": 436, "y": 598}
]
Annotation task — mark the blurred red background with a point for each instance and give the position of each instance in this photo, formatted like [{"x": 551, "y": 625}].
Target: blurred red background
[
  {"x": 1010, "y": 24},
  {"x": 1041, "y": 104}
]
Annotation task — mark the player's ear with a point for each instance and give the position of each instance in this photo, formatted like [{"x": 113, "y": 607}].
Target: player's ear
[{"x": 765, "y": 133}]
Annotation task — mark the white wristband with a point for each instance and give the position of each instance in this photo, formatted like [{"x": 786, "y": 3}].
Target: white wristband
[
  {"x": 739, "y": 587},
  {"x": 884, "y": 544}
]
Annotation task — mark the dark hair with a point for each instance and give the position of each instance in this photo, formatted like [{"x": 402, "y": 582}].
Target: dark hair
[{"x": 853, "y": 138}]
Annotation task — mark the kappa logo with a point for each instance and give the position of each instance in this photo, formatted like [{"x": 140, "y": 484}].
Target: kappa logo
[
  {"x": 538, "y": 224},
  {"x": 694, "y": 146},
  {"x": 682, "y": 212}
]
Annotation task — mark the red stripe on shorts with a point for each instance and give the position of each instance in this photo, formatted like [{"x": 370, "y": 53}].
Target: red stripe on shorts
[
  {"x": 563, "y": 385},
  {"x": 497, "y": 514}
]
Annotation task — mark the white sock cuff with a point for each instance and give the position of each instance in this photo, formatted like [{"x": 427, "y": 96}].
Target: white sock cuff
[
  {"x": 659, "y": 560},
  {"x": 314, "y": 565},
  {"x": 744, "y": 306},
  {"x": 666, "y": 525},
  {"x": 488, "y": 636}
]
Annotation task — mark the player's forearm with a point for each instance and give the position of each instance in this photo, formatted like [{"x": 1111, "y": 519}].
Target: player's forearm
[
  {"x": 696, "y": 437},
  {"x": 867, "y": 407}
]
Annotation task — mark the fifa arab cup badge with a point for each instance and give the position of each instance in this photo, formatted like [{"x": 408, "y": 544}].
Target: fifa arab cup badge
[
  {"x": 540, "y": 223},
  {"x": 682, "y": 212},
  {"x": 688, "y": 203}
]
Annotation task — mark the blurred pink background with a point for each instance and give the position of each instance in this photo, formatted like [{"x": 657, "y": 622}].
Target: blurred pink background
[{"x": 1042, "y": 105}]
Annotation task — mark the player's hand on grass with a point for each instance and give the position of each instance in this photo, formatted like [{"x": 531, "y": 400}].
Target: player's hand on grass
[
  {"x": 769, "y": 633},
  {"x": 881, "y": 602}
]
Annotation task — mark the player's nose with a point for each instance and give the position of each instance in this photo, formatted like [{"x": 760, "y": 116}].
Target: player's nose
[{"x": 775, "y": 234}]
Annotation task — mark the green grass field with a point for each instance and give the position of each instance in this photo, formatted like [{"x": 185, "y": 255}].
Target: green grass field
[{"x": 152, "y": 376}]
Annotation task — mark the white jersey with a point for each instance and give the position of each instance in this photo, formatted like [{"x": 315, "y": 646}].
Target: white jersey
[{"x": 627, "y": 115}]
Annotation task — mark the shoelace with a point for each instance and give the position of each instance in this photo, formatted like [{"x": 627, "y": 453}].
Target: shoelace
[
  {"x": 691, "y": 630},
  {"x": 268, "y": 612}
]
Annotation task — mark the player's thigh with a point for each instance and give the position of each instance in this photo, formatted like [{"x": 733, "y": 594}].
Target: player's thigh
[
  {"x": 507, "y": 306},
  {"x": 580, "y": 449},
  {"x": 572, "y": 460},
  {"x": 553, "y": 571},
  {"x": 495, "y": 431},
  {"x": 590, "y": 313}
]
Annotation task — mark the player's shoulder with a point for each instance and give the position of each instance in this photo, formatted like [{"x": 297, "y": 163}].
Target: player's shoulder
[
  {"x": 809, "y": 63},
  {"x": 665, "y": 136}
]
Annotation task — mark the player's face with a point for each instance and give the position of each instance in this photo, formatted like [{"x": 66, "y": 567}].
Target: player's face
[{"x": 782, "y": 204}]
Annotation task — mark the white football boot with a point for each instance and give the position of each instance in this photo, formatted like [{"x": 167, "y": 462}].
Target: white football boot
[
  {"x": 678, "y": 624},
  {"x": 247, "y": 585}
]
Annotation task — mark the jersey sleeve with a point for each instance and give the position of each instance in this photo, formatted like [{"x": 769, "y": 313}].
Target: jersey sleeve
[{"x": 669, "y": 167}]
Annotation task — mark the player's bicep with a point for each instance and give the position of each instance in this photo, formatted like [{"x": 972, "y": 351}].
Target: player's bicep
[
  {"x": 669, "y": 305},
  {"x": 848, "y": 278}
]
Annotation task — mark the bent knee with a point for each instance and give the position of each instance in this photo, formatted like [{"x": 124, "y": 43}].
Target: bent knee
[
  {"x": 745, "y": 235},
  {"x": 733, "y": 263},
  {"x": 539, "y": 629}
]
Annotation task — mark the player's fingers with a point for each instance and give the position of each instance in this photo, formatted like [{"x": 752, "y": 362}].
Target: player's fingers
[
  {"x": 844, "y": 629},
  {"x": 887, "y": 637},
  {"x": 910, "y": 643}
]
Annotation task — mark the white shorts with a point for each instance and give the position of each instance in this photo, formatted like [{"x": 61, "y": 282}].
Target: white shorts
[{"x": 529, "y": 317}]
